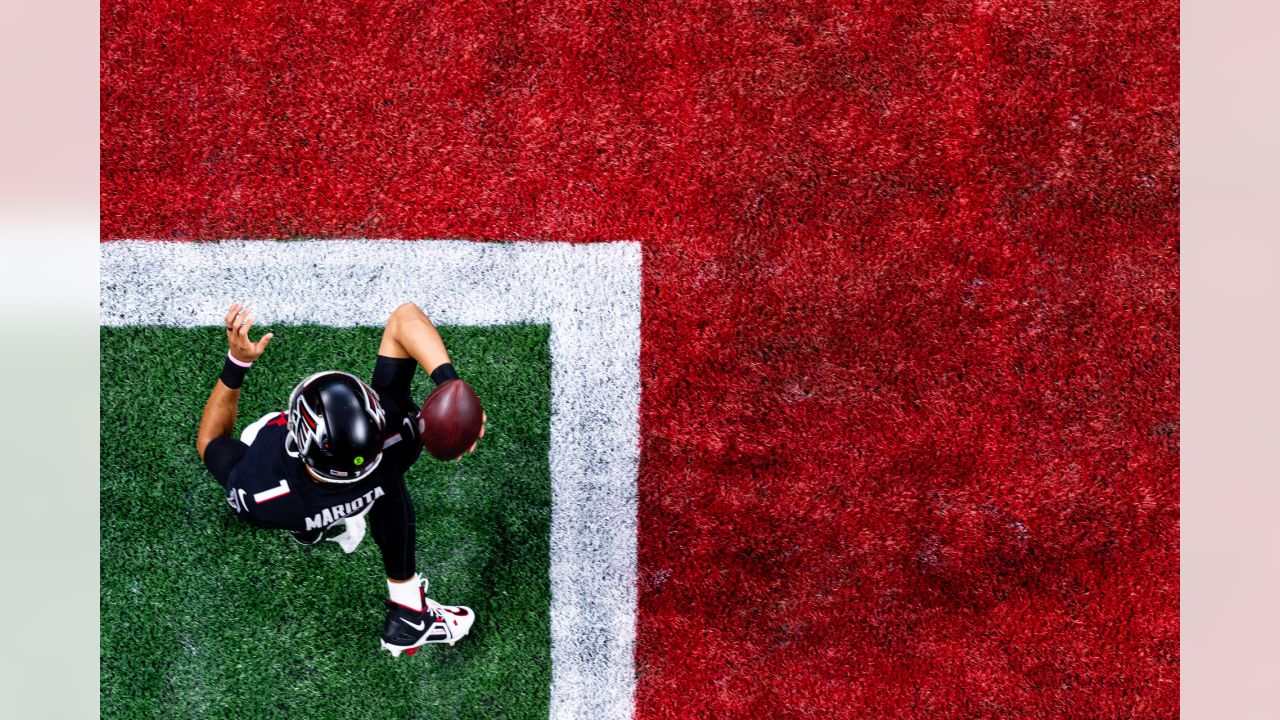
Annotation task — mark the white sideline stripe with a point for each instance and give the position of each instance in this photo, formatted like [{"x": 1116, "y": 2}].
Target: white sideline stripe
[{"x": 590, "y": 296}]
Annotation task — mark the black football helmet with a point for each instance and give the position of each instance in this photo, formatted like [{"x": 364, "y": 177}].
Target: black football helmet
[{"x": 336, "y": 426}]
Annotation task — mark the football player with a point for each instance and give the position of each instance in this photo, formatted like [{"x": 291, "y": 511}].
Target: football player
[{"x": 336, "y": 456}]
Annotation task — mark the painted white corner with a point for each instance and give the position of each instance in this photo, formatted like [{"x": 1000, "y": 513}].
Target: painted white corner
[{"x": 590, "y": 296}]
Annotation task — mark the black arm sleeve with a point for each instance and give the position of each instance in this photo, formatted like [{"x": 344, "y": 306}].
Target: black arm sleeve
[
  {"x": 223, "y": 454},
  {"x": 394, "y": 528},
  {"x": 393, "y": 377}
]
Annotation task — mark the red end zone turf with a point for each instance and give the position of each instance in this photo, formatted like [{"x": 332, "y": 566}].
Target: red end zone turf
[{"x": 910, "y": 390}]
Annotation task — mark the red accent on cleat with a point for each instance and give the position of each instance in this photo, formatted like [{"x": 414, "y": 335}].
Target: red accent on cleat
[{"x": 411, "y": 651}]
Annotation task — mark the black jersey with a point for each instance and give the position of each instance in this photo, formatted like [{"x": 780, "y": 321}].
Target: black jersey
[
  {"x": 272, "y": 489},
  {"x": 269, "y": 488}
]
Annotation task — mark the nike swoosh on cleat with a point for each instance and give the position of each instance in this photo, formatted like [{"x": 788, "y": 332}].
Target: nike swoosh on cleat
[{"x": 415, "y": 626}]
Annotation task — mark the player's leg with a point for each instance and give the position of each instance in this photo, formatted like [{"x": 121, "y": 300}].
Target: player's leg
[{"x": 413, "y": 619}]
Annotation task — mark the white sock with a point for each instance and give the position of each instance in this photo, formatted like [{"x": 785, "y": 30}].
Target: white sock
[{"x": 407, "y": 593}]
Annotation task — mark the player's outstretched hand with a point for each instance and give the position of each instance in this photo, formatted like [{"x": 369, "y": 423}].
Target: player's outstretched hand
[{"x": 239, "y": 320}]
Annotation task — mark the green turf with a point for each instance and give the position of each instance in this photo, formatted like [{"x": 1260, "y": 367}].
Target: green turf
[{"x": 206, "y": 616}]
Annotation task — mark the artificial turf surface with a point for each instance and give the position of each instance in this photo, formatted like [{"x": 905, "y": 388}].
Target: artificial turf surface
[
  {"x": 206, "y": 616},
  {"x": 909, "y": 334}
]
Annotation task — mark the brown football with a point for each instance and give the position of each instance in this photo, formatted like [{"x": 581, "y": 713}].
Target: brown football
[{"x": 451, "y": 420}]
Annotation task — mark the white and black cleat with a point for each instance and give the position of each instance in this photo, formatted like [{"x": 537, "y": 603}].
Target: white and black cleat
[{"x": 407, "y": 629}]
